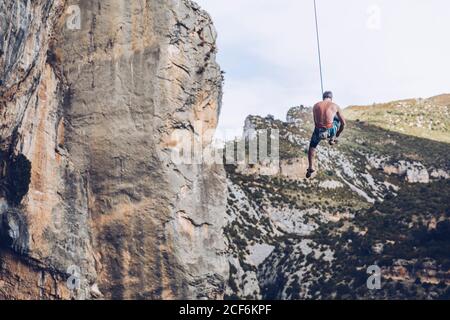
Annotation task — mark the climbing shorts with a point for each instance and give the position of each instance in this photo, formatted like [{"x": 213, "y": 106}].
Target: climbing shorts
[{"x": 323, "y": 134}]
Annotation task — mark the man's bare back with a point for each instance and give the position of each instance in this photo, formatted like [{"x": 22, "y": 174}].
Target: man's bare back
[{"x": 324, "y": 113}]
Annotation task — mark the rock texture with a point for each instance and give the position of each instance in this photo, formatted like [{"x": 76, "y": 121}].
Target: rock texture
[
  {"x": 87, "y": 178},
  {"x": 379, "y": 197}
]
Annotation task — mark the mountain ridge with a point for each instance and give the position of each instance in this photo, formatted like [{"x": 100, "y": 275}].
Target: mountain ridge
[
  {"x": 367, "y": 205},
  {"x": 426, "y": 118}
]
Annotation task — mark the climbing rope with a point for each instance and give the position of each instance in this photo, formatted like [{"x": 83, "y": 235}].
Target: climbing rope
[{"x": 318, "y": 46}]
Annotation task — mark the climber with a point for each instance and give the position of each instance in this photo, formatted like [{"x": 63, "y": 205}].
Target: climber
[{"x": 329, "y": 122}]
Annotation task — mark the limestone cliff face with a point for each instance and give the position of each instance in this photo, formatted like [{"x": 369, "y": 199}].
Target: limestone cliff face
[{"x": 87, "y": 180}]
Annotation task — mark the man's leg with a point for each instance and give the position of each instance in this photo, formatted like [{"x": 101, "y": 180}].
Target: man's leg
[
  {"x": 311, "y": 154},
  {"x": 315, "y": 140},
  {"x": 335, "y": 130}
]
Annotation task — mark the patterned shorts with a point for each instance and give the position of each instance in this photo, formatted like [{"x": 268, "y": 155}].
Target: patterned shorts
[{"x": 322, "y": 134}]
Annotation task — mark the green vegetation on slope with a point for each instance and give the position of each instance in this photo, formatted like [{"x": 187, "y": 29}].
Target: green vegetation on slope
[
  {"x": 414, "y": 229},
  {"x": 425, "y": 118}
]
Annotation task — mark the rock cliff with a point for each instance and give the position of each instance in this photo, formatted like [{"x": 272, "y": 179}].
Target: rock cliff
[
  {"x": 96, "y": 98},
  {"x": 91, "y": 203}
]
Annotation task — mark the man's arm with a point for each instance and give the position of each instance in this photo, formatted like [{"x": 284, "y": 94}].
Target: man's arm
[
  {"x": 314, "y": 114},
  {"x": 341, "y": 118}
]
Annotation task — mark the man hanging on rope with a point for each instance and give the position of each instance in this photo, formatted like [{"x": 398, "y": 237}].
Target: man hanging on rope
[{"x": 329, "y": 122}]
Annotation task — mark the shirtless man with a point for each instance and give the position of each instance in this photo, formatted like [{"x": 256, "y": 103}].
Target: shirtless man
[{"x": 329, "y": 122}]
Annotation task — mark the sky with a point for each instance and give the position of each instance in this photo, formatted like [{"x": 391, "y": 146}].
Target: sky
[{"x": 372, "y": 51}]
